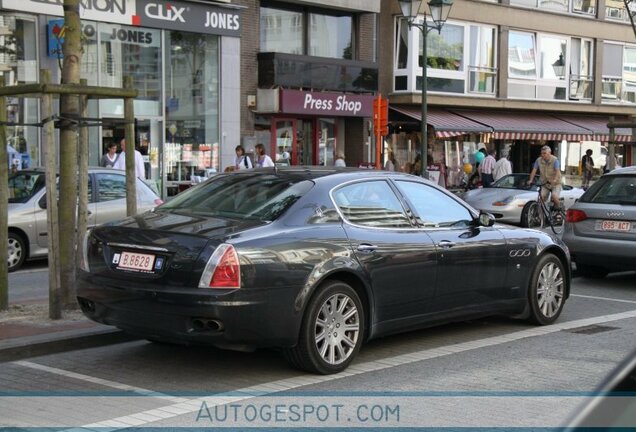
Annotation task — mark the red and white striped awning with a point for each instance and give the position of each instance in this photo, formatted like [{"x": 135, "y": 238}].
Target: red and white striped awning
[
  {"x": 526, "y": 125},
  {"x": 597, "y": 125},
  {"x": 444, "y": 123}
]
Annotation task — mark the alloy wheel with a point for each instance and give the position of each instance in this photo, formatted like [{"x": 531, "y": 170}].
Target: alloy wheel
[
  {"x": 550, "y": 290},
  {"x": 14, "y": 252},
  {"x": 337, "y": 329}
]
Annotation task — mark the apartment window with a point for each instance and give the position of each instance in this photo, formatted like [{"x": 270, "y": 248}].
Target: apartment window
[
  {"x": 281, "y": 31},
  {"x": 555, "y": 5},
  {"x": 460, "y": 59},
  {"x": 306, "y": 32},
  {"x": 587, "y": 7},
  {"x": 549, "y": 67},
  {"x": 616, "y": 10},
  {"x": 619, "y": 73}
]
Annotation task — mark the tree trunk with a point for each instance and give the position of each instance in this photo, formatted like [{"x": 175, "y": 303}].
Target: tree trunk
[
  {"x": 4, "y": 205},
  {"x": 69, "y": 111},
  {"x": 82, "y": 163},
  {"x": 48, "y": 151}
]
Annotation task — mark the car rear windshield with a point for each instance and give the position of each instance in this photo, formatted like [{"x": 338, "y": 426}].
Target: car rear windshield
[
  {"x": 612, "y": 190},
  {"x": 243, "y": 196},
  {"x": 24, "y": 184}
]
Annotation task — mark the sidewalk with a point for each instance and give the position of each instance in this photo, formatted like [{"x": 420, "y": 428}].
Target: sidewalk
[{"x": 26, "y": 331}]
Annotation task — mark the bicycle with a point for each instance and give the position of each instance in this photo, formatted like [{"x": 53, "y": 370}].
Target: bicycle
[{"x": 542, "y": 213}]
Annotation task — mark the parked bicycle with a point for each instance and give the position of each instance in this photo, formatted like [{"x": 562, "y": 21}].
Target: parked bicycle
[{"x": 543, "y": 213}]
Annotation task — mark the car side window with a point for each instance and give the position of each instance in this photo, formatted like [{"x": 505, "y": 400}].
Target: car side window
[
  {"x": 372, "y": 204},
  {"x": 42, "y": 202},
  {"x": 110, "y": 187},
  {"x": 433, "y": 208}
]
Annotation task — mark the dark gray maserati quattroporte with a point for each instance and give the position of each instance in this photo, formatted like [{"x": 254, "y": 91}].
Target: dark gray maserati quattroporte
[{"x": 314, "y": 261}]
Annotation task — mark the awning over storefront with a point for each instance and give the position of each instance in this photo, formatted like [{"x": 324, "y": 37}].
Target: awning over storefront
[
  {"x": 597, "y": 125},
  {"x": 526, "y": 125},
  {"x": 445, "y": 123}
]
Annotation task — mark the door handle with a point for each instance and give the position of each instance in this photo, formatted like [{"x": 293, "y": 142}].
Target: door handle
[
  {"x": 364, "y": 247},
  {"x": 446, "y": 244}
]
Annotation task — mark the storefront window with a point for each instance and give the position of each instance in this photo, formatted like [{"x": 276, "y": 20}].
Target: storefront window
[
  {"x": 281, "y": 31},
  {"x": 284, "y": 137},
  {"x": 89, "y": 63},
  {"x": 192, "y": 105},
  {"x": 326, "y": 141},
  {"x": 131, "y": 51},
  {"x": 330, "y": 36},
  {"x": 18, "y": 65}
]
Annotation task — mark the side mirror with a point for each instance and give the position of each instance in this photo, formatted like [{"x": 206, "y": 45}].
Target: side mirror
[{"x": 486, "y": 219}]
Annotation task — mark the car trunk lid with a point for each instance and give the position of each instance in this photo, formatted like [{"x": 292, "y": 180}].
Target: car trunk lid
[
  {"x": 611, "y": 221},
  {"x": 160, "y": 249}
]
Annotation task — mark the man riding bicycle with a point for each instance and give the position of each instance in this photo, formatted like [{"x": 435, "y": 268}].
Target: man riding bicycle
[{"x": 550, "y": 175}]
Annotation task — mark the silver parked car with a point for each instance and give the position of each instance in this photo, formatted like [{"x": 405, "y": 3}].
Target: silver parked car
[
  {"x": 510, "y": 198},
  {"x": 600, "y": 229},
  {"x": 27, "y": 208}
]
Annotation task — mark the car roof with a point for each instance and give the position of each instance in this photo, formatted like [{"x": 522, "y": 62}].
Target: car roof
[{"x": 625, "y": 170}]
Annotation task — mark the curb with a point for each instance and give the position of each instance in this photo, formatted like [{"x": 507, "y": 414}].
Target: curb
[{"x": 53, "y": 343}]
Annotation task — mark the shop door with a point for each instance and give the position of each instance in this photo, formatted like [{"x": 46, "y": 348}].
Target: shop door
[{"x": 305, "y": 143}]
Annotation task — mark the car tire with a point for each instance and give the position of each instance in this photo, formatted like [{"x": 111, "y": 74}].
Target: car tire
[
  {"x": 325, "y": 346},
  {"x": 590, "y": 271},
  {"x": 546, "y": 292},
  {"x": 530, "y": 217},
  {"x": 17, "y": 251}
]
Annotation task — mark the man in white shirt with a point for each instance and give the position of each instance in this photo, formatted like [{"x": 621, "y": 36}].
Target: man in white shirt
[
  {"x": 120, "y": 163},
  {"x": 502, "y": 167},
  {"x": 486, "y": 168}
]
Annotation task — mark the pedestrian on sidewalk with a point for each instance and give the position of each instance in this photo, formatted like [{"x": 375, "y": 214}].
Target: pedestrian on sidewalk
[{"x": 587, "y": 165}]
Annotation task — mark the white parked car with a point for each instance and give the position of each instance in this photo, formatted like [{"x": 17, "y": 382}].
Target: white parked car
[
  {"x": 27, "y": 208},
  {"x": 509, "y": 199}
]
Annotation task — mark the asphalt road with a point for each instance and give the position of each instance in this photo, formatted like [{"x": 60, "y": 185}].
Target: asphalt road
[{"x": 492, "y": 372}]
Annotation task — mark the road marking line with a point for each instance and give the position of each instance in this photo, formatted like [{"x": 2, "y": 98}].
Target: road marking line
[
  {"x": 604, "y": 298},
  {"x": 194, "y": 405},
  {"x": 95, "y": 380}
]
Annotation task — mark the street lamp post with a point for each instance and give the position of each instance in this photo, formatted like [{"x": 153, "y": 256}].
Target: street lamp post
[{"x": 439, "y": 10}]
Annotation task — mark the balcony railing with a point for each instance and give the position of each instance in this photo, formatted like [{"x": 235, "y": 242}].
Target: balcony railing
[
  {"x": 581, "y": 87},
  {"x": 482, "y": 80},
  {"x": 289, "y": 70}
]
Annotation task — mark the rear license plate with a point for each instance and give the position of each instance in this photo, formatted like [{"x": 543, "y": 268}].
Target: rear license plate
[
  {"x": 610, "y": 225},
  {"x": 134, "y": 261}
]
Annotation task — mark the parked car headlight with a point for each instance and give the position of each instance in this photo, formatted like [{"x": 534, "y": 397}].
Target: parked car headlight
[{"x": 504, "y": 202}]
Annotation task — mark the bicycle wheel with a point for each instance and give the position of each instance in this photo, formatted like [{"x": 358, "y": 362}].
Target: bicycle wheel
[
  {"x": 531, "y": 215},
  {"x": 557, "y": 220}
]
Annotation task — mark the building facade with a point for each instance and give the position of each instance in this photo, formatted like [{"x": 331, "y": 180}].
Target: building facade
[
  {"x": 309, "y": 72},
  {"x": 512, "y": 75},
  {"x": 182, "y": 56}
]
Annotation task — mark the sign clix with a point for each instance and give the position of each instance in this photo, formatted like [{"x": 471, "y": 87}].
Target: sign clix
[{"x": 191, "y": 17}]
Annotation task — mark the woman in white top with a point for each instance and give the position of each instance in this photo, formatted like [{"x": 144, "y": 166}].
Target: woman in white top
[
  {"x": 339, "y": 162},
  {"x": 262, "y": 160},
  {"x": 242, "y": 161}
]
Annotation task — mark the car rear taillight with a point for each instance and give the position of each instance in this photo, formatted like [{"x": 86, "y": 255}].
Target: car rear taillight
[
  {"x": 223, "y": 269},
  {"x": 158, "y": 201},
  {"x": 574, "y": 216}
]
